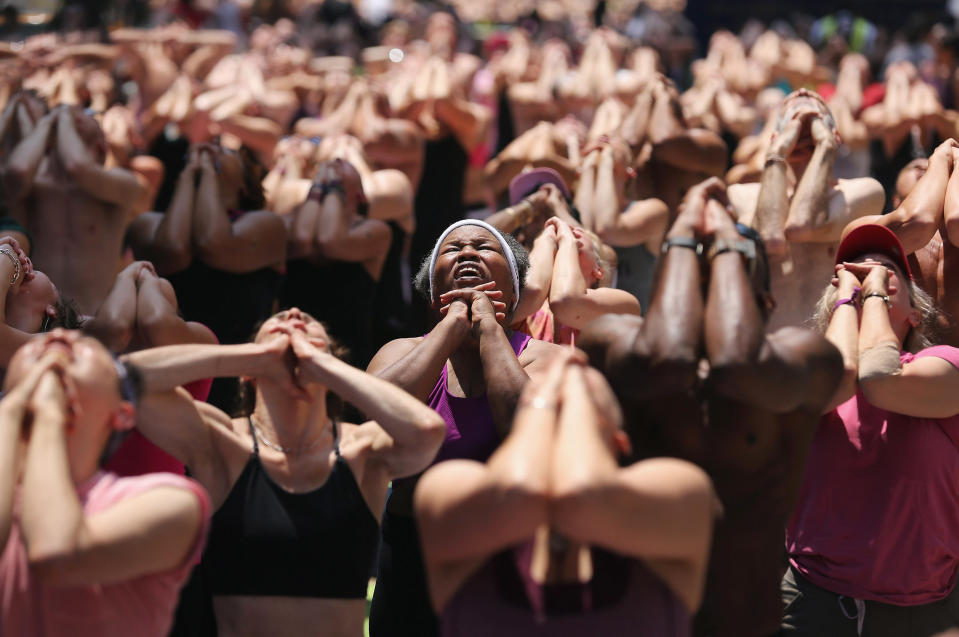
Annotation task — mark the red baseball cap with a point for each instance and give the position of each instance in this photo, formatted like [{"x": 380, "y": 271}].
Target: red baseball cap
[
  {"x": 872, "y": 237},
  {"x": 526, "y": 183}
]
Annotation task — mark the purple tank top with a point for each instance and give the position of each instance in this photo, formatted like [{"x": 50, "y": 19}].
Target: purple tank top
[
  {"x": 623, "y": 598},
  {"x": 470, "y": 432}
]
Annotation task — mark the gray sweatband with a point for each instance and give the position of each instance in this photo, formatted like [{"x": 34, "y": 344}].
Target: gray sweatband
[{"x": 879, "y": 360}]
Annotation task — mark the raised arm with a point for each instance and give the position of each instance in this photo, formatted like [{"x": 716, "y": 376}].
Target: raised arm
[
  {"x": 772, "y": 203},
  {"x": 415, "y": 364},
  {"x": 405, "y": 434},
  {"x": 572, "y": 302},
  {"x": 467, "y": 511},
  {"x": 254, "y": 241},
  {"x": 116, "y": 318},
  {"x": 660, "y": 511},
  {"x": 341, "y": 233},
  {"x": 116, "y": 186},
  {"x": 166, "y": 239},
  {"x": 21, "y": 168},
  {"x": 819, "y": 211},
  {"x": 539, "y": 275},
  {"x": 918, "y": 217},
  {"x": 790, "y": 370},
  {"x": 672, "y": 333},
  {"x": 157, "y": 321},
  {"x": 14, "y": 411},
  {"x": 151, "y": 532},
  {"x": 927, "y": 387}
]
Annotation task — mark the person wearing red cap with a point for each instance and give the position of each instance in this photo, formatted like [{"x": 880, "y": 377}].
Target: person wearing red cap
[
  {"x": 873, "y": 548},
  {"x": 700, "y": 379}
]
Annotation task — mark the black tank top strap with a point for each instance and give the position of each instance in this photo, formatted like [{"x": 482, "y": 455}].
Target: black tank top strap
[
  {"x": 336, "y": 440},
  {"x": 256, "y": 443}
]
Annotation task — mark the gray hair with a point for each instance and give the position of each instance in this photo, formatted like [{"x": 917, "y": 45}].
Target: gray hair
[{"x": 924, "y": 335}]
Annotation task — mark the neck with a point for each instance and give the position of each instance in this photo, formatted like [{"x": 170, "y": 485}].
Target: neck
[
  {"x": 291, "y": 423},
  {"x": 83, "y": 456}
]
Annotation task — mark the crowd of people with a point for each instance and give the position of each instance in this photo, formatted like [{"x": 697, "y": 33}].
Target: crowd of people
[{"x": 477, "y": 318}]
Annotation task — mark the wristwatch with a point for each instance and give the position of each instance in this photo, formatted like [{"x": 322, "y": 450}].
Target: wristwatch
[
  {"x": 742, "y": 246},
  {"x": 318, "y": 192},
  {"x": 682, "y": 242}
]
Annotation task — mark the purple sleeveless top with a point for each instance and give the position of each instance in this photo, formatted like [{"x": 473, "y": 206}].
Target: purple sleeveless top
[
  {"x": 470, "y": 432},
  {"x": 623, "y": 598}
]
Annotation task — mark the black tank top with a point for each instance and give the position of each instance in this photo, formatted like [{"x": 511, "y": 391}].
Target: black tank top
[{"x": 265, "y": 540}]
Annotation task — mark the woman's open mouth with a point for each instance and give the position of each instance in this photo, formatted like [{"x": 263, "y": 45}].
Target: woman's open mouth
[{"x": 468, "y": 274}]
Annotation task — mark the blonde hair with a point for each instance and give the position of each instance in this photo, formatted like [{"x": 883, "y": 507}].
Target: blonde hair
[{"x": 924, "y": 335}]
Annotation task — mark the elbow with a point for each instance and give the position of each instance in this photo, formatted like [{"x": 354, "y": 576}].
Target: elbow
[
  {"x": 301, "y": 244},
  {"x": 432, "y": 432},
  {"x": 158, "y": 327},
  {"x": 564, "y": 307},
  {"x": 48, "y": 565},
  {"x": 112, "y": 331},
  {"x": 573, "y": 494},
  {"x": 171, "y": 259}
]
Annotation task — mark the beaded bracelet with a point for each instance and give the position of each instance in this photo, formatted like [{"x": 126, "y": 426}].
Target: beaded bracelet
[{"x": 16, "y": 264}]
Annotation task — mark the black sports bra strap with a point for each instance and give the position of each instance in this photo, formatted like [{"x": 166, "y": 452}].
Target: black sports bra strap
[
  {"x": 336, "y": 438},
  {"x": 256, "y": 443}
]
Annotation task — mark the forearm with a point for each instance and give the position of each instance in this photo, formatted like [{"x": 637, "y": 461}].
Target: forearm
[
  {"x": 10, "y": 431},
  {"x": 401, "y": 415},
  {"x": 674, "y": 322},
  {"x": 418, "y": 371},
  {"x": 174, "y": 232},
  {"x": 115, "y": 319},
  {"x": 606, "y": 207},
  {"x": 950, "y": 214},
  {"x": 51, "y": 517},
  {"x": 643, "y": 221},
  {"x": 258, "y": 133},
  {"x": 916, "y": 220},
  {"x": 70, "y": 147},
  {"x": 467, "y": 121},
  {"x": 733, "y": 324},
  {"x": 165, "y": 368},
  {"x": 211, "y": 226},
  {"x": 157, "y": 321},
  {"x": 772, "y": 203},
  {"x": 874, "y": 327},
  {"x": 505, "y": 377},
  {"x": 538, "y": 279},
  {"x": 22, "y": 166},
  {"x": 808, "y": 208},
  {"x": 843, "y": 333},
  {"x": 567, "y": 285}
]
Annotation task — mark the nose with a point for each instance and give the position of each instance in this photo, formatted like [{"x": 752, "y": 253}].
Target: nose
[{"x": 467, "y": 251}]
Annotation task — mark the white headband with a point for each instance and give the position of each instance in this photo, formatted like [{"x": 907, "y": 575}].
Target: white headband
[{"x": 507, "y": 252}]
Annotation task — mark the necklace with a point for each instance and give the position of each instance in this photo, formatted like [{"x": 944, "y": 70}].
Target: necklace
[{"x": 292, "y": 451}]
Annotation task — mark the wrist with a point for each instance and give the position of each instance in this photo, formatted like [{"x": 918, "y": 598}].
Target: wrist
[{"x": 488, "y": 325}]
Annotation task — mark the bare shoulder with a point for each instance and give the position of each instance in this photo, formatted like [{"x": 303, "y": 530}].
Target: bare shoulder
[
  {"x": 392, "y": 352},
  {"x": 864, "y": 191},
  {"x": 538, "y": 353}
]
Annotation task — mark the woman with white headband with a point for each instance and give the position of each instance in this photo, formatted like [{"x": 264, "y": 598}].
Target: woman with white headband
[{"x": 471, "y": 369}]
